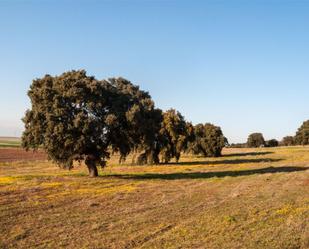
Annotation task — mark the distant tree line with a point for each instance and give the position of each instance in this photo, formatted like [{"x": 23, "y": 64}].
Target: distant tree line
[
  {"x": 257, "y": 140},
  {"x": 77, "y": 117}
]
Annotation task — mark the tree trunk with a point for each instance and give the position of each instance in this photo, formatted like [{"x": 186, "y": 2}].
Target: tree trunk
[
  {"x": 91, "y": 164},
  {"x": 152, "y": 157},
  {"x": 177, "y": 157},
  {"x": 141, "y": 159}
]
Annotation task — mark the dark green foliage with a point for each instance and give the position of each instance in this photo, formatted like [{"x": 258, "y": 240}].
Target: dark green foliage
[
  {"x": 272, "y": 143},
  {"x": 174, "y": 135},
  {"x": 288, "y": 141},
  {"x": 140, "y": 122},
  {"x": 76, "y": 117},
  {"x": 190, "y": 136},
  {"x": 68, "y": 117},
  {"x": 209, "y": 140},
  {"x": 238, "y": 145},
  {"x": 255, "y": 140},
  {"x": 226, "y": 142},
  {"x": 302, "y": 134}
]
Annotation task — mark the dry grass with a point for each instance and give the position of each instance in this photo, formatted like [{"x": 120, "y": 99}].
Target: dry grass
[
  {"x": 246, "y": 199},
  {"x": 9, "y": 142}
]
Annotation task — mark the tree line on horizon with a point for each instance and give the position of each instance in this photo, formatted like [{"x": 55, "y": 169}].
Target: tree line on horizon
[
  {"x": 257, "y": 140},
  {"x": 76, "y": 117}
]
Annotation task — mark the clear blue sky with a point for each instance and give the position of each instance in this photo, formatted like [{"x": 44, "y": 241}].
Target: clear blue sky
[{"x": 242, "y": 65}]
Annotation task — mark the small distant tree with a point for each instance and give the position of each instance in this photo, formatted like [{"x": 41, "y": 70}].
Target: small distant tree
[
  {"x": 287, "y": 141},
  {"x": 272, "y": 143},
  {"x": 173, "y": 134},
  {"x": 238, "y": 145},
  {"x": 226, "y": 142},
  {"x": 255, "y": 140},
  {"x": 77, "y": 117},
  {"x": 208, "y": 140},
  {"x": 302, "y": 134}
]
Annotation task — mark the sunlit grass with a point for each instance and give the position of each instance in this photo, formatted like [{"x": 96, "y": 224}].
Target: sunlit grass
[{"x": 249, "y": 198}]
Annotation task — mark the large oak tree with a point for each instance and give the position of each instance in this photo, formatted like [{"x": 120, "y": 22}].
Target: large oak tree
[{"x": 77, "y": 117}]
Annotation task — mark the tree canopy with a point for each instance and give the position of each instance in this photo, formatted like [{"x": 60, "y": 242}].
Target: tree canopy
[
  {"x": 255, "y": 140},
  {"x": 208, "y": 140},
  {"x": 287, "y": 141},
  {"x": 74, "y": 116},
  {"x": 174, "y": 135},
  {"x": 302, "y": 134},
  {"x": 272, "y": 143},
  {"x": 77, "y": 117}
]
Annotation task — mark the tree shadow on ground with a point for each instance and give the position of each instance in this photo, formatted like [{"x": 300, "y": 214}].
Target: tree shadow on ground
[
  {"x": 205, "y": 175},
  {"x": 234, "y": 161},
  {"x": 249, "y": 154}
]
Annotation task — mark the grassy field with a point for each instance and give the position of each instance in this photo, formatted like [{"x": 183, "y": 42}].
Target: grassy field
[
  {"x": 246, "y": 199},
  {"x": 9, "y": 142}
]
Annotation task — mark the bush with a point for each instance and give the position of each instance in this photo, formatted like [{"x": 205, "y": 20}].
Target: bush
[{"x": 272, "y": 143}]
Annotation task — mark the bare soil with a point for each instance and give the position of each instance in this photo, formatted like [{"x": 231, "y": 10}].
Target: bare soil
[{"x": 19, "y": 154}]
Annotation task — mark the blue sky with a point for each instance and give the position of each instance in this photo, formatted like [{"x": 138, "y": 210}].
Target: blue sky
[{"x": 242, "y": 65}]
